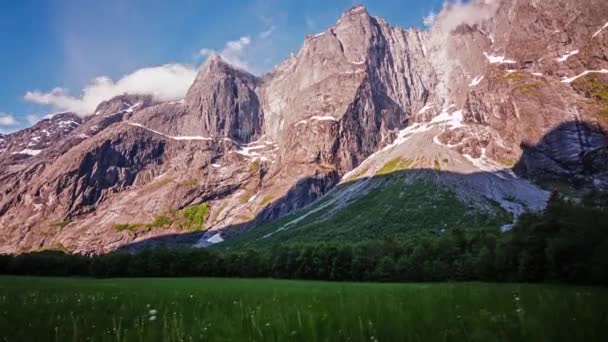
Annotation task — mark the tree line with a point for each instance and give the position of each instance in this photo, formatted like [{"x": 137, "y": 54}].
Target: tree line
[{"x": 568, "y": 242}]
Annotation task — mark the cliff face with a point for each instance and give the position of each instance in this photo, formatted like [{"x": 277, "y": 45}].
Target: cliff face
[{"x": 466, "y": 97}]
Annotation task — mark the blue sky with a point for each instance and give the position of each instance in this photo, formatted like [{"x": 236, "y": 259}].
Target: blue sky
[{"x": 47, "y": 44}]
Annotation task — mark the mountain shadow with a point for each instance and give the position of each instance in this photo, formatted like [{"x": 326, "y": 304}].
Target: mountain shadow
[
  {"x": 574, "y": 152},
  {"x": 401, "y": 200}
]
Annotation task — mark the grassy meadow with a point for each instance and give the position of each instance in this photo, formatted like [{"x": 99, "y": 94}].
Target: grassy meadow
[{"x": 188, "y": 309}]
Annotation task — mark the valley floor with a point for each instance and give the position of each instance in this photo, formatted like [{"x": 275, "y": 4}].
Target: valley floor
[{"x": 191, "y": 309}]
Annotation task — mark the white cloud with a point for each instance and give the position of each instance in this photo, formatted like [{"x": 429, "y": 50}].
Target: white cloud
[
  {"x": 7, "y": 120},
  {"x": 430, "y": 19},
  {"x": 311, "y": 24},
  {"x": 233, "y": 52},
  {"x": 167, "y": 82},
  {"x": 268, "y": 33},
  {"x": 456, "y": 13},
  {"x": 32, "y": 119}
]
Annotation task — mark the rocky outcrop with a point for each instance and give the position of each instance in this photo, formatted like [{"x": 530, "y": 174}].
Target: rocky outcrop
[
  {"x": 123, "y": 103},
  {"x": 2, "y": 143},
  {"x": 17, "y": 147}
]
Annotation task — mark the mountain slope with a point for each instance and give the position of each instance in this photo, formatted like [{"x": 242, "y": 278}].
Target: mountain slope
[{"x": 472, "y": 111}]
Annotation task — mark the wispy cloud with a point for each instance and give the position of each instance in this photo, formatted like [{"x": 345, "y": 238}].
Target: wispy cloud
[
  {"x": 311, "y": 24},
  {"x": 167, "y": 82},
  {"x": 34, "y": 118},
  {"x": 7, "y": 120},
  {"x": 233, "y": 52},
  {"x": 429, "y": 20},
  {"x": 268, "y": 32},
  {"x": 456, "y": 13}
]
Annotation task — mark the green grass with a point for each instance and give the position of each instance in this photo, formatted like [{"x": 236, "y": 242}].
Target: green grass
[
  {"x": 437, "y": 166},
  {"x": 245, "y": 198},
  {"x": 522, "y": 83},
  {"x": 254, "y": 167},
  {"x": 394, "y": 165},
  {"x": 57, "y": 247},
  {"x": 594, "y": 87},
  {"x": 395, "y": 208},
  {"x": 193, "y": 183},
  {"x": 64, "y": 309},
  {"x": 515, "y": 76},
  {"x": 267, "y": 200},
  {"x": 191, "y": 218},
  {"x": 529, "y": 88},
  {"x": 161, "y": 221},
  {"x": 195, "y": 216},
  {"x": 120, "y": 227}
]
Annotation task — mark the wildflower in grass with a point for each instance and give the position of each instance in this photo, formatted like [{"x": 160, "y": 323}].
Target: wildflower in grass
[
  {"x": 152, "y": 318},
  {"x": 152, "y": 312}
]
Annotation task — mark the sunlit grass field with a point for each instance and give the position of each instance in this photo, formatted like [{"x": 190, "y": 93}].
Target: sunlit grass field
[{"x": 68, "y": 309}]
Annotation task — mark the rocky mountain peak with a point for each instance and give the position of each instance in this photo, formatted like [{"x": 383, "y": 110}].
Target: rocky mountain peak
[
  {"x": 216, "y": 64},
  {"x": 34, "y": 140},
  {"x": 216, "y": 68},
  {"x": 356, "y": 11},
  {"x": 222, "y": 102}
]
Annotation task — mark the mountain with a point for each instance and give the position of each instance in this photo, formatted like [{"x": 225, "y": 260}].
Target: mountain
[{"x": 368, "y": 130}]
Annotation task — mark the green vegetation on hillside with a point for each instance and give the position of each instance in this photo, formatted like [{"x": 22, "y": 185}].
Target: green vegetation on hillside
[
  {"x": 267, "y": 200},
  {"x": 395, "y": 208},
  {"x": 193, "y": 183},
  {"x": 595, "y": 87},
  {"x": 568, "y": 242},
  {"x": 394, "y": 165},
  {"x": 523, "y": 83},
  {"x": 119, "y": 227},
  {"x": 194, "y": 216},
  {"x": 171, "y": 310},
  {"x": 190, "y": 218}
]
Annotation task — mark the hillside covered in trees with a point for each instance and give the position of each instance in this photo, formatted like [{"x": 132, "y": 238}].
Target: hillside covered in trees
[{"x": 568, "y": 242}]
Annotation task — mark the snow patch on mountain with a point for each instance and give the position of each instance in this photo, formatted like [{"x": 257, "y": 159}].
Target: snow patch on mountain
[
  {"x": 584, "y": 73},
  {"x": 316, "y": 118},
  {"x": 169, "y": 136},
  {"x": 133, "y": 107},
  {"x": 451, "y": 119},
  {"x": 492, "y": 59},
  {"x": 476, "y": 81},
  {"x": 217, "y": 238},
  {"x": 426, "y": 108},
  {"x": 565, "y": 57},
  {"x": 600, "y": 30},
  {"x": 28, "y": 152}
]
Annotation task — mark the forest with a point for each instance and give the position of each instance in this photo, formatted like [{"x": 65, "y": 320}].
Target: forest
[{"x": 567, "y": 243}]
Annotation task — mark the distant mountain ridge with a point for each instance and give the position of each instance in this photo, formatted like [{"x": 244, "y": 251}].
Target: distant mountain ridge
[{"x": 482, "y": 109}]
